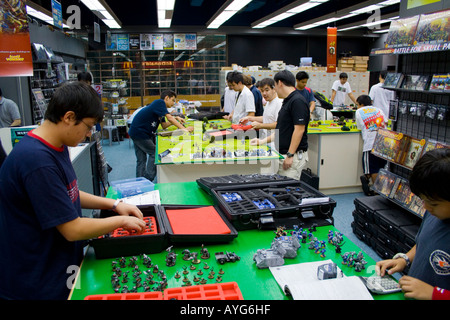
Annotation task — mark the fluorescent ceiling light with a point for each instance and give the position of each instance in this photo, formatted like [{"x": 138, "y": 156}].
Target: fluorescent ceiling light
[
  {"x": 42, "y": 16},
  {"x": 352, "y": 13},
  {"x": 227, "y": 13},
  {"x": 284, "y": 14},
  {"x": 165, "y": 12},
  {"x": 104, "y": 13}
]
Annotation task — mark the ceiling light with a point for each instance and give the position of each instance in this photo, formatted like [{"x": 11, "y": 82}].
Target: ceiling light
[
  {"x": 165, "y": 12},
  {"x": 286, "y": 12},
  {"x": 229, "y": 10},
  {"x": 364, "y": 7},
  {"x": 104, "y": 12},
  {"x": 42, "y": 16}
]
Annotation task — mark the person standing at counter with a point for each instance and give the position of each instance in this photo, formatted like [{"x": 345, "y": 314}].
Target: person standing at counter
[
  {"x": 301, "y": 81},
  {"x": 42, "y": 231},
  {"x": 368, "y": 120},
  {"x": 381, "y": 97},
  {"x": 245, "y": 101},
  {"x": 340, "y": 89},
  {"x": 143, "y": 132},
  {"x": 9, "y": 113},
  {"x": 292, "y": 127}
]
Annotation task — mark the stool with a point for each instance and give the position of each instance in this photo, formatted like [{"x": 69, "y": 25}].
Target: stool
[{"x": 111, "y": 130}]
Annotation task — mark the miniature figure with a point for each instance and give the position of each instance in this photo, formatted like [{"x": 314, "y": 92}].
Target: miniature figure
[
  {"x": 204, "y": 253},
  {"x": 226, "y": 257}
]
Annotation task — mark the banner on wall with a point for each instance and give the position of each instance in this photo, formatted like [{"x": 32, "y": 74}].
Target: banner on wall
[
  {"x": 15, "y": 47},
  {"x": 331, "y": 49},
  {"x": 57, "y": 14}
]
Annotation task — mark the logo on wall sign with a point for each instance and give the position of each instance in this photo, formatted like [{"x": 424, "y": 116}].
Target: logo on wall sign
[
  {"x": 440, "y": 261},
  {"x": 188, "y": 64},
  {"x": 74, "y": 20}
]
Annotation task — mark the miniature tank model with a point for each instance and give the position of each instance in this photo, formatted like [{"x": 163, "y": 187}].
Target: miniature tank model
[
  {"x": 267, "y": 258},
  {"x": 226, "y": 257},
  {"x": 290, "y": 245},
  {"x": 272, "y": 257}
]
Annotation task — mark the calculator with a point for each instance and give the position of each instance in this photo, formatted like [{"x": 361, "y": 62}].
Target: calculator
[{"x": 381, "y": 285}]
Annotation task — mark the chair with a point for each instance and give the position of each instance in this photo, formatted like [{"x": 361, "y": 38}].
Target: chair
[{"x": 111, "y": 130}]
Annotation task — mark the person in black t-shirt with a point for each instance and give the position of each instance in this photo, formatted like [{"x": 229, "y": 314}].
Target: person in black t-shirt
[{"x": 292, "y": 127}]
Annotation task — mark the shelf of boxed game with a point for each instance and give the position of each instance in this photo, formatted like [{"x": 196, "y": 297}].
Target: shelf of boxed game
[
  {"x": 428, "y": 84},
  {"x": 402, "y": 150},
  {"x": 115, "y": 104}
]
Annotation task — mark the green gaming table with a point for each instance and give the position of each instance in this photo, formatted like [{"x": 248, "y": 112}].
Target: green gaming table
[{"x": 94, "y": 276}]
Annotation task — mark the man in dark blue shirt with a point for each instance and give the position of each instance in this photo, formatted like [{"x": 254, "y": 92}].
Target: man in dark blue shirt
[
  {"x": 143, "y": 132},
  {"x": 42, "y": 231}
]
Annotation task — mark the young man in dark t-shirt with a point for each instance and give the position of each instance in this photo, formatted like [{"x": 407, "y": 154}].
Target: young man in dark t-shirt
[
  {"x": 143, "y": 130},
  {"x": 292, "y": 127},
  {"x": 42, "y": 231}
]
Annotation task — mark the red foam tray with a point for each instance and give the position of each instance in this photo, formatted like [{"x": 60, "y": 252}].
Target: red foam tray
[
  {"x": 203, "y": 220},
  {"x": 156, "y": 295},
  {"x": 151, "y": 228},
  {"x": 216, "y": 291}
]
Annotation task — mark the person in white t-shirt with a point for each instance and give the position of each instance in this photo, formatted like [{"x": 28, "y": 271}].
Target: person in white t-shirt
[
  {"x": 369, "y": 119},
  {"x": 245, "y": 101},
  {"x": 380, "y": 96},
  {"x": 268, "y": 121},
  {"x": 340, "y": 89}
]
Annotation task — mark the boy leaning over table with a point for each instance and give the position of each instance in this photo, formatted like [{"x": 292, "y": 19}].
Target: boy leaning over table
[
  {"x": 41, "y": 227},
  {"x": 429, "y": 259}
]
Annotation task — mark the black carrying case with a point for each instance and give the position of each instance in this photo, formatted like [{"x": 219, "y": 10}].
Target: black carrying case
[
  {"x": 112, "y": 247},
  {"x": 310, "y": 178},
  {"x": 195, "y": 238},
  {"x": 284, "y": 193}
]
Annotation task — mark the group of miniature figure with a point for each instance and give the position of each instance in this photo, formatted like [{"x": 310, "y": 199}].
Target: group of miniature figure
[{"x": 154, "y": 279}]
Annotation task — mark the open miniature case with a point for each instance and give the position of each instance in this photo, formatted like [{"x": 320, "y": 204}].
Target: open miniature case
[
  {"x": 121, "y": 243},
  {"x": 265, "y": 201}
]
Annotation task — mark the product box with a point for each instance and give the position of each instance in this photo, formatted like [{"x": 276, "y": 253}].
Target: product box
[
  {"x": 131, "y": 187},
  {"x": 120, "y": 243},
  {"x": 196, "y": 224}
]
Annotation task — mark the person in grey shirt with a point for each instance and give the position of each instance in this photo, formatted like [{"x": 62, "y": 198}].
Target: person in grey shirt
[{"x": 9, "y": 113}]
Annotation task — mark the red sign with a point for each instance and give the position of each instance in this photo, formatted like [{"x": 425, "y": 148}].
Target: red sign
[
  {"x": 331, "y": 49},
  {"x": 15, "y": 48}
]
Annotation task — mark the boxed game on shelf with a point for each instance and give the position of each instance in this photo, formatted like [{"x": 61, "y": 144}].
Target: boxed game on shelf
[
  {"x": 389, "y": 145},
  {"x": 393, "y": 80},
  {"x": 438, "y": 82},
  {"x": 384, "y": 182},
  {"x": 432, "y": 28},
  {"x": 415, "y": 82},
  {"x": 413, "y": 152},
  {"x": 402, "y": 32}
]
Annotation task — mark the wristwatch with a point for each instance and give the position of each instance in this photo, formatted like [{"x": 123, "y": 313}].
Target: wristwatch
[
  {"x": 116, "y": 204},
  {"x": 289, "y": 155},
  {"x": 403, "y": 256}
]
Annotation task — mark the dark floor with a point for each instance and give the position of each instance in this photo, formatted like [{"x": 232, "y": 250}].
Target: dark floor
[{"x": 120, "y": 156}]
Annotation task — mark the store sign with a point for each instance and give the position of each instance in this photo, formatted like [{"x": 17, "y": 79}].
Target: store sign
[
  {"x": 157, "y": 64},
  {"x": 331, "y": 49},
  {"x": 57, "y": 14},
  {"x": 443, "y": 46},
  {"x": 15, "y": 47}
]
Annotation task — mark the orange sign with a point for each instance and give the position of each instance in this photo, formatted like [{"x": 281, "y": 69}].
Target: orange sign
[
  {"x": 15, "y": 48},
  {"x": 331, "y": 49}
]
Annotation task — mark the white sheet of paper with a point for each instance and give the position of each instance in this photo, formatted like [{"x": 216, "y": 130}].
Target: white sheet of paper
[{"x": 303, "y": 283}]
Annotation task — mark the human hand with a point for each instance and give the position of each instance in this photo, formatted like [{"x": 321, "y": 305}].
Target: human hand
[
  {"x": 244, "y": 120},
  {"x": 180, "y": 120},
  {"x": 135, "y": 224},
  {"x": 415, "y": 288},
  {"x": 125, "y": 209},
  {"x": 390, "y": 266},
  {"x": 287, "y": 163},
  {"x": 189, "y": 129},
  {"x": 227, "y": 117},
  {"x": 254, "y": 142},
  {"x": 256, "y": 125}
]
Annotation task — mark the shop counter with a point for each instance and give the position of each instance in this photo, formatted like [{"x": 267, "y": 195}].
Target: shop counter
[
  {"x": 94, "y": 277},
  {"x": 335, "y": 156}
]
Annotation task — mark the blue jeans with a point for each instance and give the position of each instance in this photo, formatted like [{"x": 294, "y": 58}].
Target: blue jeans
[{"x": 145, "y": 159}]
